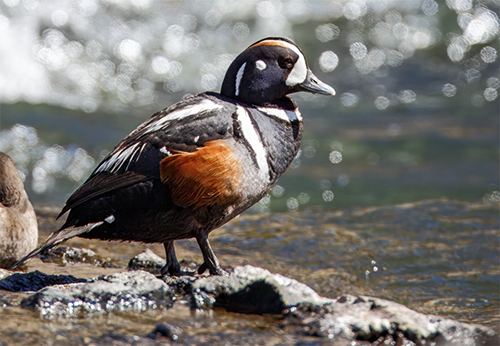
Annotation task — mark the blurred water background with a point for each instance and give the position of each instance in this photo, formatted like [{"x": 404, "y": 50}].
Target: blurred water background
[
  {"x": 416, "y": 117},
  {"x": 416, "y": 114}
]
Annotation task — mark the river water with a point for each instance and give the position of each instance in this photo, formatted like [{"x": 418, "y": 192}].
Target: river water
[{"x": 415, "y": 119}]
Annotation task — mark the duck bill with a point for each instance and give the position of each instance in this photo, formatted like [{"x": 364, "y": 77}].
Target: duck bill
[{"x": 313, "y": 85}]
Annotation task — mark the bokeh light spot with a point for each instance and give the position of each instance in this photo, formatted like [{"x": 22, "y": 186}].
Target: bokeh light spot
[
  {"x": 488, "y": 54},
  {"x": 449, "y": 90},
  {"x": 327, "y": 195},
  {"x": 292, "y": 203},
  {"x": 327, "y": 32},
  {"x": 382, "y": 102},
  {"x": 335, "y": 157},
  {"x": 328, "y": 61},
  {"x": 358, "y": 50}
]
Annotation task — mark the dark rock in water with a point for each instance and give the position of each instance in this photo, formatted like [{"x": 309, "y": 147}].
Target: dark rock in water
[
  {"x": 128, "y": 291},
  {"x": 152, "y": 263},
  {"x": 148, "y": 261},
  {"x": 255, "y": 290},
  {"x": 66, "y": 254},
  {"x": 251, "y": 289},
  {"x": 372, "y": 319},
  {"x": 166, "y": 330},
  {"x": 34, "y": 281}
]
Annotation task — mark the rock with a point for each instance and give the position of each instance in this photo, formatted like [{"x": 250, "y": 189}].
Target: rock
[
  {"x": 127, "y": 291},
  {"x": 251, "y": 289},
  {"x": 67, "y": 254},
  {"x": 372, "y": 319},
  {"x": 166, "y": 330},
  {"x": 248, "y": 289},
  {"x": 152, "y": 263},
  {"x": 148, "y": 261},
  {"x": 34, "y": 281}
]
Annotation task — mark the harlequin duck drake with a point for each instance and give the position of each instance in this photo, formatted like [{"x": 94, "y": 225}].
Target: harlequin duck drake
[
  {"x": 196, "y": 165},
  {"x": 18, "y": 225}
]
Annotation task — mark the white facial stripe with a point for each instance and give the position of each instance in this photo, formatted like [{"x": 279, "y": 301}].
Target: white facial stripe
[
  {"x": 261, "y": 65},
  {"x": 298, "y": 73},
  {"x": 251, "y": 135},
  {"x": 285, "y": 115},
  {"x": 239, "y": 76}
]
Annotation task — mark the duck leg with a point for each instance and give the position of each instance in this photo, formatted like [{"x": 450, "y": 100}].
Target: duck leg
[
  {"x": 172, "y": 266},
  {"x": 210, "y": 261}
]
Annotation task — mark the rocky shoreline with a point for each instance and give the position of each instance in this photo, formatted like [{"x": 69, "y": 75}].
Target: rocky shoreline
[
  {"x": 247, "y": 290},
  {"x": 83, "y": 292}
]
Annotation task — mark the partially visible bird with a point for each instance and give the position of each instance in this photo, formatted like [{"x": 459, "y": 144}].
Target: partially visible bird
[
  {"x": 18, "y": 225},
  {"x": 196, "y": 165}
]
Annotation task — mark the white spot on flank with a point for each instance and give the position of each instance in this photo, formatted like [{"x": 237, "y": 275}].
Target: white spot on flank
[
  {"x": 261, "y": 65},
  {"x": 165, "y": 151},
  {"x": 282, "y": 114},
  {"x": 251, "y": 135},
  {"x": 196, "y": 139},
  {"x": 110, "y": 219},
  {"x": 239, "y": 76},
  {"x": 204, "y": 106}
]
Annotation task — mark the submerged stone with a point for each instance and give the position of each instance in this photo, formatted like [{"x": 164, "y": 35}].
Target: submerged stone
[{"x": 67, "y": 254}]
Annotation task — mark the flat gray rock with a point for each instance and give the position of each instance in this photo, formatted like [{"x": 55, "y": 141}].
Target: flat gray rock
[{"x": 127, "y": 291}]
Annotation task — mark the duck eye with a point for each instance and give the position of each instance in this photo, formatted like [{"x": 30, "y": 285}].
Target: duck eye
[{"x": 286, "y": 63}]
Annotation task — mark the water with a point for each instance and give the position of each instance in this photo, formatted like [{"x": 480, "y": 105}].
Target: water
[
  {"x": 416, "y": 118},
  {"x": 436, "y": 256}
]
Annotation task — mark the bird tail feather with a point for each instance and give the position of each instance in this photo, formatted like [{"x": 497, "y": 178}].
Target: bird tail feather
[{"x": 57, "y": 238}]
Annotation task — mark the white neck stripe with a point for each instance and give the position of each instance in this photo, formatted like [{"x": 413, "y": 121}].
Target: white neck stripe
[{"x": 250, "y": 134}]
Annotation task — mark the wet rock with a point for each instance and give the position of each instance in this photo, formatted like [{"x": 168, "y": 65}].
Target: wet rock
[
  {"x": 34, "y": 281},
  {"x": 148, "y": 261},
  {"x": 127, "y": 291},
  {"x": 254, "y": 290},
  {"x": 166, "y": 330},
  {"x": 152, "y": 263},
  {"x": 381, "y": 321},
  {"x": 251, "y": 289},
  {"x": 66, "y": 254}
]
